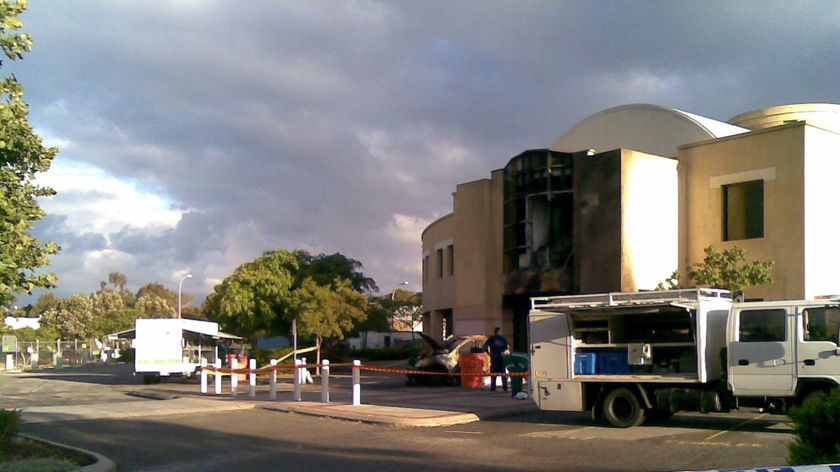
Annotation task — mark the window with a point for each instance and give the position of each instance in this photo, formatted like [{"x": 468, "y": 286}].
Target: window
[
  {"x": 821, "y": 323},
  {"x": 761, "y": 325},
  {"x": 425, "y": 268},
  {"x": 440, "y": 263},
  {"x": 743, "y": 210},
  {"x": 450, "y": 258}
]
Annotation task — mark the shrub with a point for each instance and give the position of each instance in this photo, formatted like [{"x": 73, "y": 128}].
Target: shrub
[
  {"x": 817, "y": 430},
  {"x": 9, "y": 428}
]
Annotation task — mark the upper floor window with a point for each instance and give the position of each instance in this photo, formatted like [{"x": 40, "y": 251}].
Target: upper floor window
[
  {"x": 450, "y": 259},
  {"x": 743, "y": 210},
  {"x": 440, "y": 263}
]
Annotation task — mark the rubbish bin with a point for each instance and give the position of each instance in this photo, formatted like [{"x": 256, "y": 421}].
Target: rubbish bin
[
  {"x": 516, "y": 363},
  {"x": 472, "y": 363},
  {"x": 241, "y": 363}
]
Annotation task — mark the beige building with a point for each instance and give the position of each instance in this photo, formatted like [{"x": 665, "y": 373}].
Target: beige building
[{"x": 626, "y": 197}]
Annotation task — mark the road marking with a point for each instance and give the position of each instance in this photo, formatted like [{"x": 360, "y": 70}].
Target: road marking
[
  {"x": 721, "y": 433},
  {"x": 686, "y": 442},
  {"x": 564, "y": 434},
  {"x": 464, "y": 432}
]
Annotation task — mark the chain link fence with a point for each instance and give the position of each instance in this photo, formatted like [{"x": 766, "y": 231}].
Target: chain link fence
[{"x": 26, "y": 355}]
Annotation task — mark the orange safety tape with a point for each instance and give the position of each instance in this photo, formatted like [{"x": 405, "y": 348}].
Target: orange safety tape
[{"x": 391, "y": 370}]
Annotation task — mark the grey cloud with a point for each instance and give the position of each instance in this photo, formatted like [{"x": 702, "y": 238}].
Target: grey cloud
[{"x": 309, "y": 124}]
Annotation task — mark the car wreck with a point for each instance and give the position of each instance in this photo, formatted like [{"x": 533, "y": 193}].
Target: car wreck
[{"x": 442, "y": 358}]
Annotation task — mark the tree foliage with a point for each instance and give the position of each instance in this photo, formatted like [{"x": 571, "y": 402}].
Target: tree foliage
[
  {"x": 729, "y": 270},
  {"x": 169, "y": 296},
  {"x": 403, "y": 309},
  {"x": 22, "y": 156},
  {"x": 324, "y": 293},
  {"x": 72, "y": 317},
  {"x": 154, "y": 306},
  {"x": 816, "y": 429}
]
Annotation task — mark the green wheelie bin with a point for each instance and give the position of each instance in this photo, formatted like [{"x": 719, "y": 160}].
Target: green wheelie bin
[{"x": 516, "y": 363}]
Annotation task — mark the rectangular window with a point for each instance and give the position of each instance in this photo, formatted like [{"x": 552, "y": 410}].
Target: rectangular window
[
  {"x": 761, "y": 325},
  {"x": 425, "y": 268},
  {"x": 450, "y": 258},
  {"x": 743, "y": 210},
  {"x": 821, "y": 323},
  {"x": 440, "y": 263}
]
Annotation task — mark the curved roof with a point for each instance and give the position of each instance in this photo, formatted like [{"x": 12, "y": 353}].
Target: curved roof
[
  {"x": 642, "y": 127},
  {"x": 823, "y": 115}
]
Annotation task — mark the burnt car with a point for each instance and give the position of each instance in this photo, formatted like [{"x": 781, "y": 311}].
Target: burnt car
[{"x": 442, "y": 358}]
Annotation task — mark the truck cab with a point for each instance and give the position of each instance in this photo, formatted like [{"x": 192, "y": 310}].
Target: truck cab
[{"x": 782, "y": 351}]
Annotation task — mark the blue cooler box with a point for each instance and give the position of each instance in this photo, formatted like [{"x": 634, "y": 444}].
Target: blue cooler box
[
  {"x": 613, "y": 362},
  {"x": 585, "y": 363}
]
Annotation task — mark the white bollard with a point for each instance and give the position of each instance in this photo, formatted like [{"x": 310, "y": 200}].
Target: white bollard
[
  {"x": 272, "y": 381},
  {"x": 301, "y": 372},
  {"x": 325, "y": 381},
  {"x": 217, "y": 376},
  {"x": 357, "y": 387},
  {"x": 234, "y": 378},
  {"x": 252, "y": 378},
  {"x": 203, "y": 376},
  {"x": 296, "y": 378}
]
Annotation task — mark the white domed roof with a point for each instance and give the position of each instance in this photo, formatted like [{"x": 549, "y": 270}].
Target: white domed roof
[
  {"x": 823, "y": 115},
  {"x": 648, "y": 128}
]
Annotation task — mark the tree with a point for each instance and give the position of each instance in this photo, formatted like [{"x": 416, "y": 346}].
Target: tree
[
  {"x": 118, "y": 280},
  {"x": 727, "y": 269},
  {"x": 108, "y": 310},
  {"x": 264, "y": 296},
  {"x": 254, "y": 300},
  {"x": 153, "y": 306},
  {"x": 170, "y": 296},
  {"x": 327, "y": 311},
  {"x": 324, "y": 269},
  {"x": 72, "y": 317},
  {"x": 22, "y": 156},
  {"x": 403, "y": 308}
]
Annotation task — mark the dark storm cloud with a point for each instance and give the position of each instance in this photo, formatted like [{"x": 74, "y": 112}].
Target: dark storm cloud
[{"x": 344, "y": 127}]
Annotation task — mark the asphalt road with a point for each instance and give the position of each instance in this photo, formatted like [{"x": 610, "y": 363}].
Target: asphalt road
[{"x": 270, "y": 440}]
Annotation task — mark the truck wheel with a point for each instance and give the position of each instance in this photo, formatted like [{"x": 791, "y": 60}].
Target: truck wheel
[{"x": 622, "y": 408}]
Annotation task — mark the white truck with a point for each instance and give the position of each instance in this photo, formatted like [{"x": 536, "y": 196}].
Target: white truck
[
  {"x": 631, "y": 356},
  {"x": 167, "y": 346}
]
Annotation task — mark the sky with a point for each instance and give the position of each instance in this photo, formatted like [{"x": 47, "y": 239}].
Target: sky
[{"x": 195, "y": 135}]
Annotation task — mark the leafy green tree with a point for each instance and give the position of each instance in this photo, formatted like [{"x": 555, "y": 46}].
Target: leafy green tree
[
  {"x": 22, "y": 156},
  {"x": 264, "y": 296},
  {"x": 115, "y": 321},
  {"x": 324, "y": 269},
  {"x": 108, "y": 313},
  {"x": 44, "y": 303},
  {"x": 327, "y": 312},
  {"x": 729, "y": 270},
  {"x": 671, "y": 283},
  {"x": 403, "y": 308},
  {"x": 255, "y": 299},
  {"x": 118, "y": 280},
  {"x": 72, "y": 317},
  {"x": 153, "y": 306},
  {"x": 170, "y": 296}
]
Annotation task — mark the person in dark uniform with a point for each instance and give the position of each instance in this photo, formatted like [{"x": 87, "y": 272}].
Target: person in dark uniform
[{"x": 496, "y": 346}]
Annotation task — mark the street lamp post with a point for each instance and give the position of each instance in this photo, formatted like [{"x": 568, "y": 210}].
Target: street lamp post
[
  {"x": 393, "y": 313},
  {"x": 404, "y": 282},
  {"x": 188, "y": 276}
]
